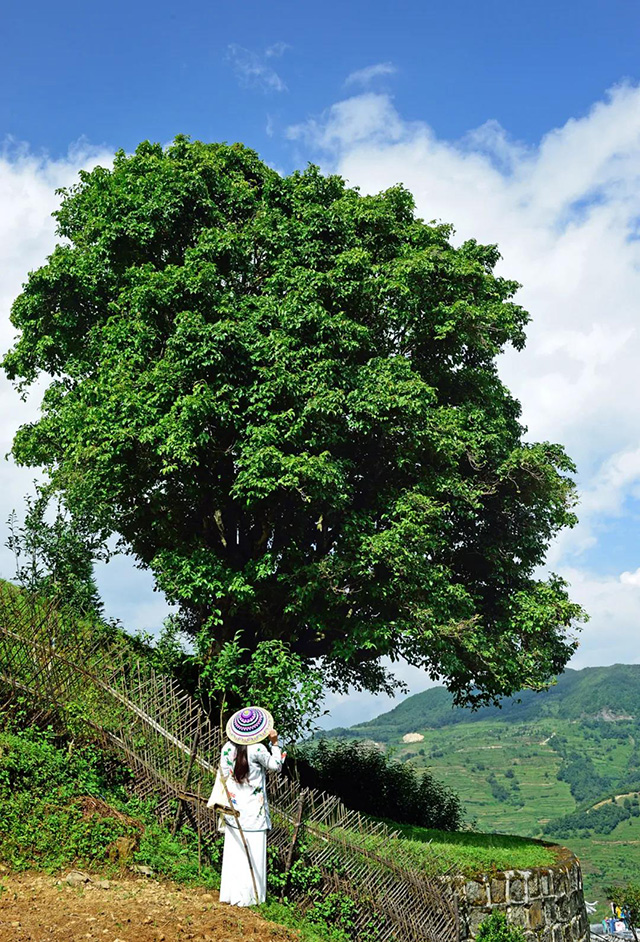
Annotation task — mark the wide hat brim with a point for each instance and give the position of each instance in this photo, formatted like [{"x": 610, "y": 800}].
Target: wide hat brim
[{"x": 249, "y": 726}]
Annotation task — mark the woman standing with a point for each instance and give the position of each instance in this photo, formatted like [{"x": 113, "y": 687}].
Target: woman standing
[{"x": 243, "y": 764}]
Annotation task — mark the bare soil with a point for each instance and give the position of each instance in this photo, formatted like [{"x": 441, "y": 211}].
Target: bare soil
[{"x": 35, "y": 907}]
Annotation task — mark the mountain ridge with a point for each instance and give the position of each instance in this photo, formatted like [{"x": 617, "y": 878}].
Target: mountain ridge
[{"x": 611, "y": 693}]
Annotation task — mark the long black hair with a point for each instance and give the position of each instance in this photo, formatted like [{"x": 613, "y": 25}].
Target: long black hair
[{"x": 241, "y": 767}]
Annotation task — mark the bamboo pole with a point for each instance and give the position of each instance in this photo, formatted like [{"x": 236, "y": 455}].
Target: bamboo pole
[
  {"x": 199, "y": 834},
  {"x": 301, "y": 803}
]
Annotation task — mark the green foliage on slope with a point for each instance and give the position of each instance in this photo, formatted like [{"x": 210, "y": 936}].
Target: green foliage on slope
[{"x": 65, "y": 805}]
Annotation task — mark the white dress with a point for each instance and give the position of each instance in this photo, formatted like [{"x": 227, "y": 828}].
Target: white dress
[{"x": 249, "y": 798}]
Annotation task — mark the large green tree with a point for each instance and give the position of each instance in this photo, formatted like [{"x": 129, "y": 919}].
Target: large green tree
[{"x": 283, "y": 396}]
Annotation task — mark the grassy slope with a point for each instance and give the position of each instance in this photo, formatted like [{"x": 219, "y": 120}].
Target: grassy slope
[
  {"x": 466, "y": 750},
  {"x": 471, "y": 852}
]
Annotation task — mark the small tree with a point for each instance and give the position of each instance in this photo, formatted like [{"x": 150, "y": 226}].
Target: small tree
[
  {"x": 55, "y": 556},
  {"x": 274, "y": 676}
]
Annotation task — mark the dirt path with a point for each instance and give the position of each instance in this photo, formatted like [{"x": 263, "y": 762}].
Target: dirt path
[
  {"x": 40, "y": 908},
  {"x": 607, "y": 801}
]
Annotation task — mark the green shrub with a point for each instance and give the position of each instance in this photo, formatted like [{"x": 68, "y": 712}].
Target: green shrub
[
  {"x": 63, "y": 805},
  {"x": 497, "y": 929},
  {"x": 306, "y": 929},
  {"x": 37, "y": 832},
  {"x": 368, "y": 780},
  {"x": 335, "y": 914},
  {"x": 303, "y": 877},
  {"x": 176, "y": 857},
  {"x": 499, "y": 792}
]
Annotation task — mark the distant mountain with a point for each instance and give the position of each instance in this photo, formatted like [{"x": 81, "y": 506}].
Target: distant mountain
[{"x": 608, "y": 693}]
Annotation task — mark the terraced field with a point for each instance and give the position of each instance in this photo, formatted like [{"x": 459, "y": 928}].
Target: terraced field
[{"x": 466, "y": 758}]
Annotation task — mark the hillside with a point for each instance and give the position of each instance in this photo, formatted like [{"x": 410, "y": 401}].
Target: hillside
[{"x": 547, "y": 766}]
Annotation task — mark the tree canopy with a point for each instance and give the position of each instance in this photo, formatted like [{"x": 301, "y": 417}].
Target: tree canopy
[{"x": 282, "y": 395}]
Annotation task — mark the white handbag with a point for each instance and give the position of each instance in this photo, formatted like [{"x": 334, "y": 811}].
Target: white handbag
[{"x": 219, "y": 801}]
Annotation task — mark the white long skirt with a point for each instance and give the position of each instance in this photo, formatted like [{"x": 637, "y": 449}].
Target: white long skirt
[{"x": 236, "y": 885}]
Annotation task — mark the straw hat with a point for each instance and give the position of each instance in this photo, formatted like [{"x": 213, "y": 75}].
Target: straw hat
[{"x": 249, "y": 726}]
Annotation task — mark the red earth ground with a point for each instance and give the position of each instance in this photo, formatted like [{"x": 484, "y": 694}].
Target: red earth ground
[{"x": 35, "y": 907}]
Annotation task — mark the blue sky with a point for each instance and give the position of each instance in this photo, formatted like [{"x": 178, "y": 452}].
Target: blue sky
[
  {"x": 517, "y": 122},
  {"x": 120, "y": 72}
]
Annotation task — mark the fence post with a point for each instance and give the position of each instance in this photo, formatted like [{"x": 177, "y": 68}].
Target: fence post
[
  {"x": 192, "y": 759},
  {"x": 298, "y": 821},
  {"x": 199, "y": 834}
]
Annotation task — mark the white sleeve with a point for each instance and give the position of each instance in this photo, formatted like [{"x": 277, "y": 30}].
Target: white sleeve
[
  {"x": 269, "y": 760},
  {"x": 227, "y": 760}
]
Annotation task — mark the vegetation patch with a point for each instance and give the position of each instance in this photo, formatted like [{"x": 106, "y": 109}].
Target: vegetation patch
[
  {"x": 377, "y": 785},
  {"x": 308, "y": 930},
  {"x": 497, "y": 929},
  {"x": 65, "y": 805},
  {"x": 604, "y": 819}
]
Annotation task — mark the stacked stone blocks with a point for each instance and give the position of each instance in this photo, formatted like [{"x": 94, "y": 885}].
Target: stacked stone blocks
[{"x": 547, "y": 902}]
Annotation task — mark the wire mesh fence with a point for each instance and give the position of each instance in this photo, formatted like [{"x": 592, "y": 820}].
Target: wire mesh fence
[{"x": 94, "y": 677}]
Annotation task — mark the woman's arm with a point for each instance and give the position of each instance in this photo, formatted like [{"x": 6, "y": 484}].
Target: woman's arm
[{"x": 270, "y": 760}]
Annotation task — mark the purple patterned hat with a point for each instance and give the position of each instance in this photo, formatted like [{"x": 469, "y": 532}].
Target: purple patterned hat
[{"x": 249, "y": 726}]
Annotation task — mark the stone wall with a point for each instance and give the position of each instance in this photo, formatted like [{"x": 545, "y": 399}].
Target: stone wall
[{"x": 547, "y": 902}]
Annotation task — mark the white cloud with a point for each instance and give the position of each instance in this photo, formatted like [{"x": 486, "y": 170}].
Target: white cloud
[
  {"x": 610, "y": 637},
  {"x": 369, "y": 73},
  {"x": 365, "y": 120},
  {"x": 630, "y": 578},
  {"x": 252, "y": 69},
  {"x": 277, "y": 50}
]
